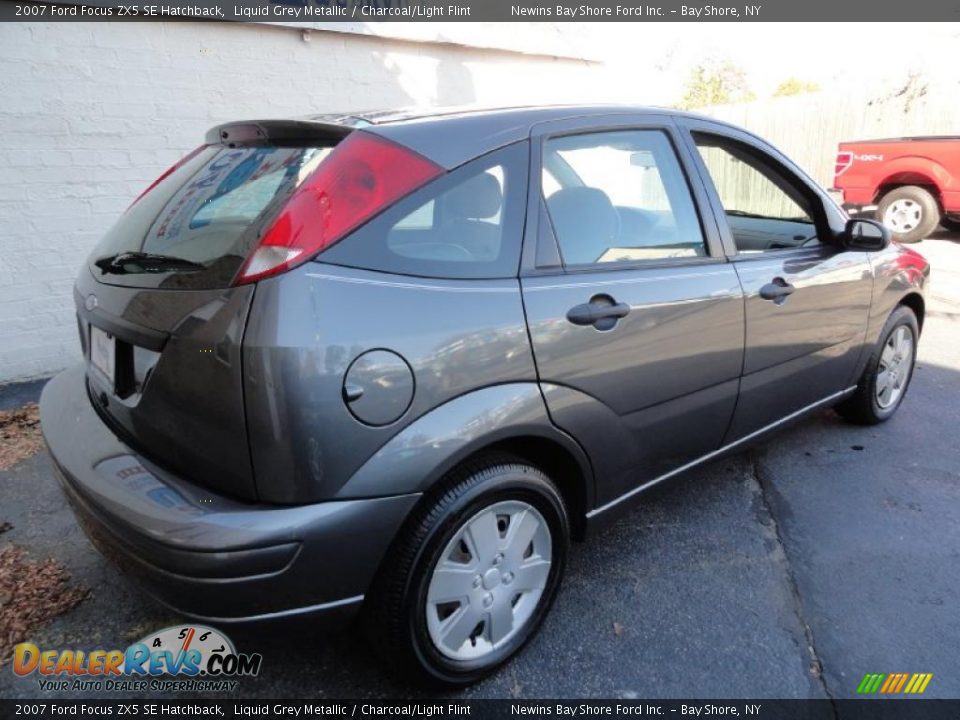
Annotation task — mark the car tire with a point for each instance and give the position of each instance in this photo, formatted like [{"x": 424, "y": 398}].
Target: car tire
[
  {"x": 420, "y": 607},
  {"x": 887, "y": 376},
  {"x": 950, "y": 224},
  {"x": 910, "y": 212}
]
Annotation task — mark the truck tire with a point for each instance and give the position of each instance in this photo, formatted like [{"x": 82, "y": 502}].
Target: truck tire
[
  {"x": 950, "y": 224},
  {"x": 910, "y": 212}
]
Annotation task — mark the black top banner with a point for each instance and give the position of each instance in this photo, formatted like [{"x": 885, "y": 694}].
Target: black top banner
[{"x": 313, "y": 11}]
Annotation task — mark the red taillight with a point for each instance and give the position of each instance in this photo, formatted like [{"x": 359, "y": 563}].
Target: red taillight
[
  {"x": 180, "y": 163},
  {"x": 361, "y": 177},
  {"x": 843, "y": 162}
]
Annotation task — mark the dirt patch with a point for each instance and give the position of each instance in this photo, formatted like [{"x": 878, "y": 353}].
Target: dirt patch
[
  {"x": 19, "y": 434},
  {"x": 32, "y": 593}
]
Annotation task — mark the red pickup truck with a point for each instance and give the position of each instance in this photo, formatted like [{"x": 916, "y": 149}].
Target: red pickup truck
[{"x": 913, "y": 182}]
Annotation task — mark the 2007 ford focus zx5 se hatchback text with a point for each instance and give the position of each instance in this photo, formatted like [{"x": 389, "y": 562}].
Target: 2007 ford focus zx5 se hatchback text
[{"x": 394, "y": 362}]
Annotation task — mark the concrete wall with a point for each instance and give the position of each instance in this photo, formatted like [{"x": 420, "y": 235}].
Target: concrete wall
[{"x": 92, "y": 113}]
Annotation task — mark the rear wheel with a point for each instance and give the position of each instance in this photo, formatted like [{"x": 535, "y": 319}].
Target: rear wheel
[
  {"x": 887, "y": 376},
  {"x": 472, "y": 575},
  {"x": 910, "y": 212}
]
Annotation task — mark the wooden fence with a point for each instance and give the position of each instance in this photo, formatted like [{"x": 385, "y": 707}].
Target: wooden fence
[{"x": 808, "y": 127}]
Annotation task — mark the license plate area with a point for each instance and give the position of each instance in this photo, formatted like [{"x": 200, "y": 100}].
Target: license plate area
[{"x": 103, "y": 354}]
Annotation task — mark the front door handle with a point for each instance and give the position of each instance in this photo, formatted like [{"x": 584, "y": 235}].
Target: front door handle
[
  {"x": 778, "y": 290},
  {"x": 602, "y": 312}
]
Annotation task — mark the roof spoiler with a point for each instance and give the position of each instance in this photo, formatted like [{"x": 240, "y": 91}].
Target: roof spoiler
[{"x": 278, "y": 132}]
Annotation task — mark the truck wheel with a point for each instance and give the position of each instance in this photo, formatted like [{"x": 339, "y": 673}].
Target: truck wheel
[
  {"x": 951, "y": 224},
  {"x": 472, "y": 574},
  {"x": 910, "y": 212}
]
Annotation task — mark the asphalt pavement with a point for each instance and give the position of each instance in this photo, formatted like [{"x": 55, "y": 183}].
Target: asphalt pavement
[{"x": 788, "y": 571}]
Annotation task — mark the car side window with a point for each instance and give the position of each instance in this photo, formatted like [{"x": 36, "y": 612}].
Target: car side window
[
  {"x": 765, "y": 210},
  {"x": 619, "y": 197},
  {"x": 466, "y": 224}
]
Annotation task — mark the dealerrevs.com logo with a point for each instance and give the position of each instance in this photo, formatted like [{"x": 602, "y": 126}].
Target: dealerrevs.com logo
[{"x": 179, "y": 658}]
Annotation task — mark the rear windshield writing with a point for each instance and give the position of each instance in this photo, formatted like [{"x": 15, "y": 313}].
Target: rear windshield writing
[
  {"x": 198, "y": 224},
  {"x": 229, "y": 193}
]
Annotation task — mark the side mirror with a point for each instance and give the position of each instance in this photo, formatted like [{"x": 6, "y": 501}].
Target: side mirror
[{"x": 866, "y": 235}]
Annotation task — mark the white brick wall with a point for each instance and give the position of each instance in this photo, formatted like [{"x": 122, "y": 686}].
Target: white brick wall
[{"x": 92, "y": 113}]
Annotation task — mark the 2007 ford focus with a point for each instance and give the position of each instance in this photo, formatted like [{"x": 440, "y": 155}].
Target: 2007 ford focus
[{"x": 397, "y": 362}]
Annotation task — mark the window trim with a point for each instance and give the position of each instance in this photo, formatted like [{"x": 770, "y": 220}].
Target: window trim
[{"x": 536, "y": 205}]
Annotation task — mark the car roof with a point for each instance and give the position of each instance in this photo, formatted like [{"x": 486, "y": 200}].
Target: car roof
[
  {"x": 452, "y": 136},
  {"x": 534, "y": 113}
]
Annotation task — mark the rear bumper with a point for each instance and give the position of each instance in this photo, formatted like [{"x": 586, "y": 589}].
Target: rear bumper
[
  {"x": 854, "y": 197},
  {"x": 202, "y": 554},
  {"x": 837, "y": 194}
]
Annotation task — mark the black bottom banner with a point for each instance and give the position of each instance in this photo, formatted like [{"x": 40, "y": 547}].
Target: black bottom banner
[{"x": 876, "y": 709}]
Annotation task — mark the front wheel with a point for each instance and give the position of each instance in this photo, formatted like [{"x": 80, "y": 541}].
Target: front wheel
[
  {"x": 887, "y": 376},
  {"x": 472, "y": 575}
]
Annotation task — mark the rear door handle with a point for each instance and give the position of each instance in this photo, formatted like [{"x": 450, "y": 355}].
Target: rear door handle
[
  {"x": 778, "y": 290},
  {"x": 602, "y": 312}
]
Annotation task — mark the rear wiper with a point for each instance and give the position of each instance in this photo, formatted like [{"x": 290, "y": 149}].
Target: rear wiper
[{"x": 141, "y": 262}]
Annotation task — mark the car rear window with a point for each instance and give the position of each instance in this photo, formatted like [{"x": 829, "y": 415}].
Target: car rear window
[{"x": 194, "y": 229}]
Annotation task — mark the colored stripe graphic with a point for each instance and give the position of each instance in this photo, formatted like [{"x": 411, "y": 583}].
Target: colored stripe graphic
[
  {"x": 870, "y": 683},
  {"x": 918, "y": 683},
  {"x": 894, "y": 683},
  {"x": 891, "y": 682}
]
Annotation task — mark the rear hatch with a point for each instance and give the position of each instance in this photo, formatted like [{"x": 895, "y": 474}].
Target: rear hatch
[{"x": 163, "y": 301}]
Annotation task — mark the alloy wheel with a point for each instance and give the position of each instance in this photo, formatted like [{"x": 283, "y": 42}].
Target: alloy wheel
[{"x": 893, "y": 371}]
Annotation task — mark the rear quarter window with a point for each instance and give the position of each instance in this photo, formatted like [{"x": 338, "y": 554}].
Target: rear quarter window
[{"x": 466, "y": 224}]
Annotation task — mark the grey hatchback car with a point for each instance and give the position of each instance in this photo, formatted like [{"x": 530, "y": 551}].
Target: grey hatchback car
[{"x": 396, "y": 362}]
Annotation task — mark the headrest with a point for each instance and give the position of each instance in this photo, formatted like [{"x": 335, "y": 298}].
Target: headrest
[
  {"x": 585, "y": 221},
  {"x": 478, "y": 198}
]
